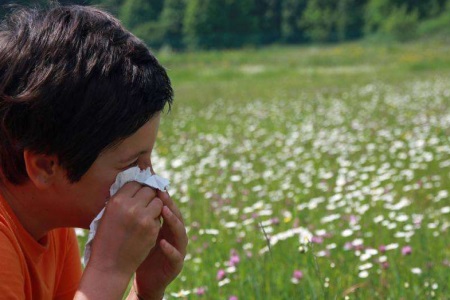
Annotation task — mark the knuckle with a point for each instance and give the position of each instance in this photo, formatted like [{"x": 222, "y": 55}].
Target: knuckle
[
  {"x": 131, "y": 213},
  {"x": 143, "y": 227},
  {"x": 148, "y": 192},
  {"x": 142, "y": 224},
  {"x": 117, "y": 199}
]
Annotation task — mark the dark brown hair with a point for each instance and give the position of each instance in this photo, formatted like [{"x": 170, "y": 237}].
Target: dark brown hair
[{"x": 73, "y": 82}]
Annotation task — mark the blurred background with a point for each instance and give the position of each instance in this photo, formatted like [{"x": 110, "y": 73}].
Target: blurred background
[{"x": 208, "y": 24}]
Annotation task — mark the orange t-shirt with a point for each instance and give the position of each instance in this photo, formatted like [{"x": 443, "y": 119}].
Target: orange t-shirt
[{"x": 32, "y": 270}]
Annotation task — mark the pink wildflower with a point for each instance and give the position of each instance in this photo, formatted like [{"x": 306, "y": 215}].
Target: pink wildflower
[
  {"x": 200, "y": 291},
  {"x": 348, "y": 246},
  {"x": 221, "y": 274},
  {"x": 234, "y": 258},
  {"x": 353, "y": 219},
  {"x": 297, "y": 274},
  {"x": 407, "y": 250},
  {"x": 317, "y": 240}
]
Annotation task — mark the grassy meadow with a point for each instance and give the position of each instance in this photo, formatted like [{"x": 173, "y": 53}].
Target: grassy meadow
[{"x": 311, "y": 172}]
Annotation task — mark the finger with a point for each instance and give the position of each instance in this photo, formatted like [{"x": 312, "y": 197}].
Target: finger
[
  {"x": 129, "y": 188},
  {"x": 154, "y": 209},
  {"x": 167, "y": 200},
  {"x": 145, "y": 195},
  {"x": 176, "y": 227},
  {"x": 173, "y": 255}
]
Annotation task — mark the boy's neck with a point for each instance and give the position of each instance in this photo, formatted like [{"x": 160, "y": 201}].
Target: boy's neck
[{"x": 27, "y": 208}]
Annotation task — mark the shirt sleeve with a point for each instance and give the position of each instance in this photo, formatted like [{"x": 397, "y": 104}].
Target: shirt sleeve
[
  {"x": 11, "y": 270},
  {"x": 71, "y": 269}
]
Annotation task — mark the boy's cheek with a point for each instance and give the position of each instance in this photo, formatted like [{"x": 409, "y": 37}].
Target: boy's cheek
[
  {"x": 104, "y": 190},
  {"x": 107, "y": 183}
]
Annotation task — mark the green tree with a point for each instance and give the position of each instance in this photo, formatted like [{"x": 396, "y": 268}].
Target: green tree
[
  {"x": 423, "y": 9},
  {"x": 397, "y": 20},
  {"x": 349, "y": 19},
  {"x": 330, "y": 21},
  {"x": 268, "y": 16},
  {"x": 171, "y": 20},
  {"x": 135, "y": 13},
  {"x": 152, "y": 33},
  {"x": 141, "y": 18},
  {"x": 318, "y": 21},
  {"x": 203, "y": 22},
  {"x": 219, "y": 23},
  {"x": 291, "y": 11},
  {"x": 242, "y": 23},
  {"x": 113, "y": 6},
  {"x": 375, "y": 13},
  {"x": 401, "y": 24}
]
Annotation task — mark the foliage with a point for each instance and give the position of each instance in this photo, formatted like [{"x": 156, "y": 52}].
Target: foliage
[
  {"x": 112, "y": 6},
  {"x": 268, "y": 14},
  {"x": 399, "y": 20},
  {"x": 141, "y": 17},
  {"x": 437, "y": 25},
  {"x": 317, "y": 21},
  {"x": 350, "y": 19},
  {"x": 218, "y": 23},
  {"x": 400, "y": 24},
  {"x": 152, "y": 33},
  {"x": 203, "y": 21},
  {"x": 291, "y": 11},
  {"x": 171, "y": 21},
  {"x": 208, "y": 24},
  {"x": 134, "y": 13},
  {"x": 375, "y": 13}
]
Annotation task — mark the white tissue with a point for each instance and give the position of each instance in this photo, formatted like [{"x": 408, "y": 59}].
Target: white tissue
[{"x": 144, "y": 177}]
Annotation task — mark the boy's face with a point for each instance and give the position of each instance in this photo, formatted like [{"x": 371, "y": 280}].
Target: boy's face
[{"x": 83, "y": 200}]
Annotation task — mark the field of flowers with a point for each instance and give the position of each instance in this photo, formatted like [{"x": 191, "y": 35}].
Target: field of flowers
[{"x": 311, "y": 173}]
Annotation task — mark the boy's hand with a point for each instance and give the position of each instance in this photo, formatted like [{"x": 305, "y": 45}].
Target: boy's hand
[
  {"x": 128, "y": 230},
  {"x": 166, "y": 259}
]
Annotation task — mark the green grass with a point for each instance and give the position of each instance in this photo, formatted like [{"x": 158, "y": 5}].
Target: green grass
[{"x": 283, "y": 138}]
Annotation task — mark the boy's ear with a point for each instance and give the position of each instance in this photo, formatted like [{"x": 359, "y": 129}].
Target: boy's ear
[{"x": 41, "y": 168}]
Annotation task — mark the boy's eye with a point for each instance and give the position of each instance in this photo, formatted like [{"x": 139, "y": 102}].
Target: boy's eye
[{"x": 133, "y": 164}]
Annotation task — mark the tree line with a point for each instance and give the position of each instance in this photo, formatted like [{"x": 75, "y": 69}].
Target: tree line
[{"x": 207, "y": 24}]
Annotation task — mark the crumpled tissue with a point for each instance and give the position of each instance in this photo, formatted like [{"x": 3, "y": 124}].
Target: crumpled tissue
[{"x": 144, "y": 177}]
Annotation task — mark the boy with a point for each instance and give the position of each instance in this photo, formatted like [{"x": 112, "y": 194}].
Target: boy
[{"x": 80, "y": 101}]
